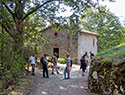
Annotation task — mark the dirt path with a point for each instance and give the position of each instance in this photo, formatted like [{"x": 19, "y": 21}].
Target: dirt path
[{"x": 54, "y": 85}]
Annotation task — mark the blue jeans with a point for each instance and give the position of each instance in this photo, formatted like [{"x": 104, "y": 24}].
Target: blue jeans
[{"x": 65, "y": 73}]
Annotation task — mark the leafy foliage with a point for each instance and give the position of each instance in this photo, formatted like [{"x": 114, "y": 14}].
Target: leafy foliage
[
  {"x": 21, "y": 21},
  {"x": 62, "y": 60},
  {"x": 114, "y": 51},
  {"x": 106, "y": 24},
  {"x": 19, "y": 37},
  {"x": 11, "y": 63}
]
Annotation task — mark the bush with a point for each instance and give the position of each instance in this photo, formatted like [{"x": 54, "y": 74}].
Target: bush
[
  {"x": 49, "y": 59},
  {"x": 62, "y": 60},
  {"x": 12, "y": 66}
]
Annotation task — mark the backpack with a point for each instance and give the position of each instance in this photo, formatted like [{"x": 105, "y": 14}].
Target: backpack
[
  {"x": 41, "y": 60},
  {"x": 53, "y": 60},
  {"x": 71, "y": 63}
]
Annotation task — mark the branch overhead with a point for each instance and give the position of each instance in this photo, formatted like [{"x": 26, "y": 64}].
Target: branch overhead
[
  {"x": 37, "y": 7},
  {"x": 10, "y": 11}
]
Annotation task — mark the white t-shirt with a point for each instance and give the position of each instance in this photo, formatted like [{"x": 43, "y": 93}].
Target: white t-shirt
[{"x": 32, "y": 59}]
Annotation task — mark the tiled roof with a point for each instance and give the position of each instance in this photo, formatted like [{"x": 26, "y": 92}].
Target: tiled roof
[
  {"x": 88, "y": 32},
  {"x": 46, "y": 29},
  {"x": 83, "y": 31}
]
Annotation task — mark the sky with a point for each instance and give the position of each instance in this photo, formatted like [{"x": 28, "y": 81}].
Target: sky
[{"x": 118, "y": 8}]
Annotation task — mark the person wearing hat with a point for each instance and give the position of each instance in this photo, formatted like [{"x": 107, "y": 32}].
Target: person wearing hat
[
  {"x": 83, "y": 64},
  {"x": 45, "y": 66}
]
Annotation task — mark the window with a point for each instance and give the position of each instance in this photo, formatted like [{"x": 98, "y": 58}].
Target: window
[{"x": 55, "y": 34}]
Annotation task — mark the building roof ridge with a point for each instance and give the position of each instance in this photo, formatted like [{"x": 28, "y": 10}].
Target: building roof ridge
[{"x": 88, "y": 32}]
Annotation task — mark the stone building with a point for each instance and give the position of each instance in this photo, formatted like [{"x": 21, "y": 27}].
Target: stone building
[{"x": 63, "y": 42}]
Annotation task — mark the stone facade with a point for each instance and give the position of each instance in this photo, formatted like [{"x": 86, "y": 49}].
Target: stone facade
[
  {"x": 107, "y": 78},
  {"x": 63, "y": 42},
  {"x": 86, "y": 42}
]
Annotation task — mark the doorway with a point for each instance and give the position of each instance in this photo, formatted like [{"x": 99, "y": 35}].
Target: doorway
[{"x": 56, "y": 50}]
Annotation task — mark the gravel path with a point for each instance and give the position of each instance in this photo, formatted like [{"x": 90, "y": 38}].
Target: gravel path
[{"x": 54, "y": 85}]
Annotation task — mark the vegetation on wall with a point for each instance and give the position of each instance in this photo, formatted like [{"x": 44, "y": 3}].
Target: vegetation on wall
[{"x": 107, "y": 72}]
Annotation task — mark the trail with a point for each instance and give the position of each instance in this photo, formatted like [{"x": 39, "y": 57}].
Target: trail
[{"x": 54, "y": 85}]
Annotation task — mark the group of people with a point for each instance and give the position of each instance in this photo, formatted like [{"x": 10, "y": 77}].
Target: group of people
[
  {"x": 84, "y": 61},
  {"x": 44, "y": 63}
]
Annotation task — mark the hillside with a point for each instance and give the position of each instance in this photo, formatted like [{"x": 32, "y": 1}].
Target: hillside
[{"x": 113, "y": 52}]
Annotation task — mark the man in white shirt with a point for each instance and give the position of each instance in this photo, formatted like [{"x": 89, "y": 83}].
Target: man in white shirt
[{"x": 32, "y": 60}]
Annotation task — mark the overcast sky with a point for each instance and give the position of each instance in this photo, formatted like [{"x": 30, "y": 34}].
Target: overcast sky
[{"x": 118, "y": 8}]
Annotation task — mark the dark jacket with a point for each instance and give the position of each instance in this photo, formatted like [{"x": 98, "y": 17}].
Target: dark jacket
[
  {"x": 83, "y": 63},
  {"x": 43, "y": 60}
]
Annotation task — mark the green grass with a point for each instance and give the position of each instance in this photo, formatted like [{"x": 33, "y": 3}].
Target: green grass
[{"x": 112, "y": 52}]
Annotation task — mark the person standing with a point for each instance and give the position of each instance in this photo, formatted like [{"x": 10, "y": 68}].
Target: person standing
[
  {"x": 54, "y": 61},
  {"x": 45, "y": 66},
  {"x": 32, "y": 60},
  {"x": 91, "y": 54},
  {"x": 83, "y": 64},
  {"x": 68, "y": 62},
  {"x": 86, "y": 57}
]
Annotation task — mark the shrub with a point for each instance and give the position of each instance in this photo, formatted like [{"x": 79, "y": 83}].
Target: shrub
[
  {"x": 49, "y": 58},
  {"x": 106, "y": 62},
  {"x": 62, "y": 60}
]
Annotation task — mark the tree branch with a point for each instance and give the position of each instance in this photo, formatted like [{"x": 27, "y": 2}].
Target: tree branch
[
  {"x": 6, "y": 30},
  {"x": 38, "y": 7},
  {"x": 8, "y": 9},
  {"x": 5, "y": 21}
]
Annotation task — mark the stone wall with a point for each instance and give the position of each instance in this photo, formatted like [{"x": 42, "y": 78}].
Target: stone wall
[
  {"x": 107, "y": 76},
  {"x": 66, "y": 43}
]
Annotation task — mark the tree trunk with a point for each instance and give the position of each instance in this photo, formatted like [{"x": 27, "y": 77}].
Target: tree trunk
[{"x": 2, "y": 49}]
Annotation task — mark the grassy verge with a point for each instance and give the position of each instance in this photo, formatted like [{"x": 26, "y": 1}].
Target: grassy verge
[{"x": 116, "y": 51}]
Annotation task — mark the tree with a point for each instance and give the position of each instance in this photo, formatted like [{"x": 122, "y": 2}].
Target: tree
[
  {"x": 20, "y": 22},
  {"x": 106, "y": 24},
  {"x": 14, "y": 13}
]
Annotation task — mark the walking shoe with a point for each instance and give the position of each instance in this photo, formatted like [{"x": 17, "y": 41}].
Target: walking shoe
[
  {"x": 33, "y": 74},
  {"x": 58, "y": 73},
  {"x": 67, "y": 78},
  {"x": 64, "y": 79},
  {"x": 53, "y": 73},
  {"x": 83, "y": 74},
  {"x": 43, "y": 76}
]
